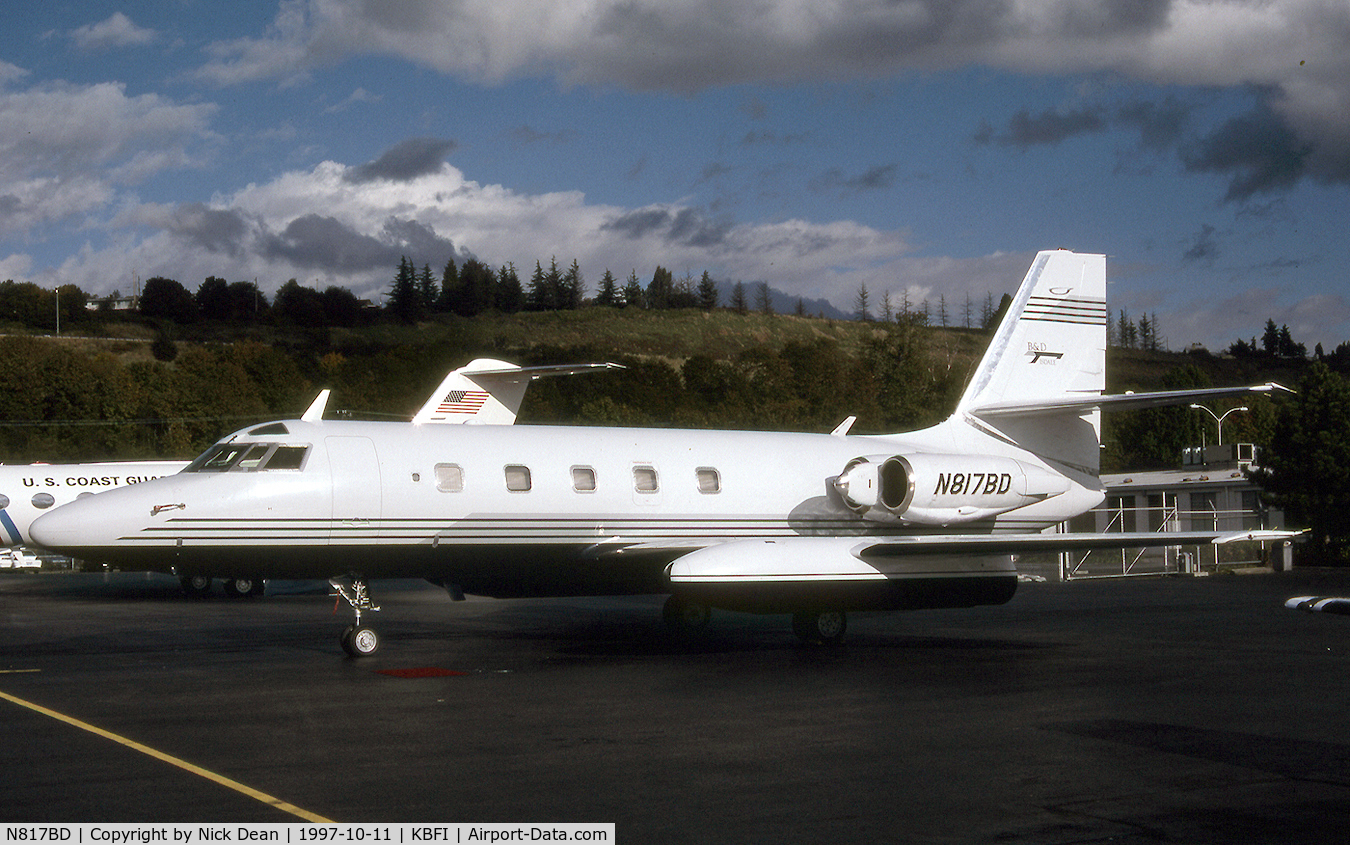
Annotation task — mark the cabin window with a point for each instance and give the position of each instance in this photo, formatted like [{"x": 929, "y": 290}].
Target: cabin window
[
  {"x": 287, "y": 457},
  {"x": 709, "y": 481},
  {"x": 644, "y": 479},
  {"x": 4, "y": 501},
  {"x": 518, "y": 478},
  {"x": 449, "y": 478},
  {"x": 42, "y": 501},
  {"x": 583, "y": 479}
]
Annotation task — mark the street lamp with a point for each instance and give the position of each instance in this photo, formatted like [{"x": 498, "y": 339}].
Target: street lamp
[{"x": 1218, "y": 419}]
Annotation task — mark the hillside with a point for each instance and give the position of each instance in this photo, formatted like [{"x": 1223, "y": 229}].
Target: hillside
[{"x": 107, "y": 396}]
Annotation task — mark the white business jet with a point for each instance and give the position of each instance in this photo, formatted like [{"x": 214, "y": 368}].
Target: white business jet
[{"x": 814, "y": 525}]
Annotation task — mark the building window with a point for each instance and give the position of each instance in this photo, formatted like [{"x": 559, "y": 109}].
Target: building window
[
  {"x": 518, "y": 478},
  {"x": 583, "y": 479},
  {"x": 449, "y": 478},
  {"x": 1204, "y": 510},
  {"x": 1251, "y": 509},
  {"x": 709, "y": 481},
  {"x": 644, "y": 479}
]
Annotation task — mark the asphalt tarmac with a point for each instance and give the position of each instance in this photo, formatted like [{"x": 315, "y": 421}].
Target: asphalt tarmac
[{"x": 1170, "y": 709}]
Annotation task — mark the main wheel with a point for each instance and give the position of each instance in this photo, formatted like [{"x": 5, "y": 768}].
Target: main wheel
[
  {"x": 825, "y": 626},
  {"x": 237, "y": 588},
  {"x": 195, "y": 585},
  {"x": 685, "y": 616},
  {"x": 360, "y": 641}
]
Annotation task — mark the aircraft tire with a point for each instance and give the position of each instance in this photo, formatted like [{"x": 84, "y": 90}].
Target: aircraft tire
[
  {"x": 685, "y": 616},
  {"x": 360, "y": 641},
  {"x": 237, "y": 588},
  {"x": 195, "y": 586},
  {"x": 825, "y": 627}
]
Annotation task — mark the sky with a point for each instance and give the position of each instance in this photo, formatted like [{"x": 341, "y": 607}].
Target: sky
[{"x": 918, "y": 148}]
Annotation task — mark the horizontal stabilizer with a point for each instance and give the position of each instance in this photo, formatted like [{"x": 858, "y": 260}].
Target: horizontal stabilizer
[
  {"x": 489, "y": 392},
  {"x": 1119, "y": 402}
]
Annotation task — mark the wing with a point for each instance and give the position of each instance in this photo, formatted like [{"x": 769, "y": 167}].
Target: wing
[{"x": 825, "y": 560}]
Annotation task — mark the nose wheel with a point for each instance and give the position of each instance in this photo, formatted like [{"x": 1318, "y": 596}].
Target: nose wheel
[{"x": 358, "y": 639}]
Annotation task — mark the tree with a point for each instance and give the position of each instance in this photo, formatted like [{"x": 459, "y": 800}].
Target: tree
[
  {"x": 632, "y": 290},
  {"x": 403, "y": 295},
  {"x": 572, "y": 288},
  {"x": 510, "y": 295},
  {"x": 608, "y": 295},
  {"x": 707, "y": 292},
  {"x": 1305, "y": 468},
  {"x": 167, "y": 299},
  {"x": 213, "y": 298},
  {"x": 763, "y": 303},
  {"x": 860, "y": 303},
  {"x": 738, "y": 300},
  {"x": 661, "y": 289}
]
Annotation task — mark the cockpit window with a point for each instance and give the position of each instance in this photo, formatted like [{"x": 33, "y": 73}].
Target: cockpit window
[
  {"x": 287, "y": 457},
  {"x": 247, "y": 457}
]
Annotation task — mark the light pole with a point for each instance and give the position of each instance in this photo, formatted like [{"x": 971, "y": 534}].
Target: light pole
[{"x": 1218, "y": 419}]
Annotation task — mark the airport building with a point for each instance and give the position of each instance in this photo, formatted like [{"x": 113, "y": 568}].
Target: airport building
[{"x": 1210, "y": 491}]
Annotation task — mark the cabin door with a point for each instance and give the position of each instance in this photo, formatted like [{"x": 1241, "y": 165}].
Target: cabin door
[{"x": 357, "y": 497}]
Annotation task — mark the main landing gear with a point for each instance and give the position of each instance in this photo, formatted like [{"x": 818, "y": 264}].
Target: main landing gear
[
  {"x": 358, "y": 640},
  {"x": 818, "y": 627}
]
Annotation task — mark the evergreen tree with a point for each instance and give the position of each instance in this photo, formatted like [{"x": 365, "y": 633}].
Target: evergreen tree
[
  {"x": 738, "y": 301},
  {"x": 537, "y": 299},
  {"x": 608, "y": 295},
  {"x": 860, "y": 303},
  {"x": 942, "y": 310},
  {"x": 1270, "y": 339},
  {"x": 632, "y": 291},
  {"x": 763, "y": 303},
  {"x": 403, "y": 296},
  {"x": 661, "y": 288},
  {"x": 707, "y": 292},
  {"x": 572, "y": 288},
  {"x": 510, "y": 296},
  {"x": 428, "y": 292},
  {"x": 447, "y": 301}
]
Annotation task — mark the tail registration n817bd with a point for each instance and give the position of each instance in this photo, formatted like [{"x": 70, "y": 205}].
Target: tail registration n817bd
[{"x": 715, "y": 519}]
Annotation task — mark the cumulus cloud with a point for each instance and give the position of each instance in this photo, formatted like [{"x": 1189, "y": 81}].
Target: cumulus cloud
[
  {"x": 66, "y": 149},
  {"x": 325, "y": 227},
  {"x": 116, "y": 31},
  {"x": 1292, "y": 49}
]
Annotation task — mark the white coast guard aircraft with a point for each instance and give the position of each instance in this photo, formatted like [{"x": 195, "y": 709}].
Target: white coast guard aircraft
[
  {"x": 809, "y": 524},
  {"x": 28, "y": 490}
]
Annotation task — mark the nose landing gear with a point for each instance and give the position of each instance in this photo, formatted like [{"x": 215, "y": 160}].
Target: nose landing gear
[{"x": 358, "y": 640}]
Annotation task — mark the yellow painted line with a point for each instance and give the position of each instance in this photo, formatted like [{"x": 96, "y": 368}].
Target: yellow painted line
[
  {"x": 173, "y": 761},
  {"x": 17, "y": 671}
]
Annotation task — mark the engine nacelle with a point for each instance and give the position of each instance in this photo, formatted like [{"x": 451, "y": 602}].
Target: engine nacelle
[{"x": 934, "y": 489}]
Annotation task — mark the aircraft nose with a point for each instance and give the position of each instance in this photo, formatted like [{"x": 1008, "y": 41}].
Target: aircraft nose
[{"x": 61, "y": 528}]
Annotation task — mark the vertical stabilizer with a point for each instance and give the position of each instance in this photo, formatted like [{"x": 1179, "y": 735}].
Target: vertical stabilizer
[{"x": 1050, "y": 345}]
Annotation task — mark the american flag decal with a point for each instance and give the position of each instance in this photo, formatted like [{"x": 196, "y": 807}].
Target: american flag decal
[{"x": 462, "y": 402}]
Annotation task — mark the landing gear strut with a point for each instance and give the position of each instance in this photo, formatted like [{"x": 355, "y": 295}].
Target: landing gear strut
[{"x": 357, "y": 640}]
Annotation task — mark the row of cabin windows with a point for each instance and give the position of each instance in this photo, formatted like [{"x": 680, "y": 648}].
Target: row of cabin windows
[{"x": 450, "y": 479}]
